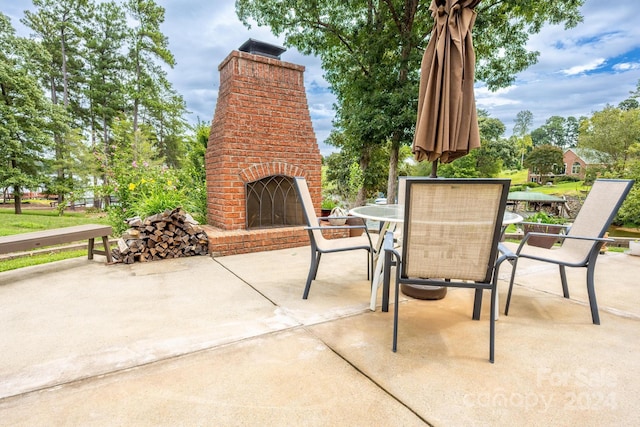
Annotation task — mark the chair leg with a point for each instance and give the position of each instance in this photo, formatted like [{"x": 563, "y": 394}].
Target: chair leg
[
  {"x": 477, "y": 304},
  {"x": 513, "y": 276},
  {"x": 492, "y": 325},
  {"x": 395, "y": 318},
  {"x": 313, "y": 270},
  {"x": 592, "y": 293},
  {"x": 563, "y": 279}
]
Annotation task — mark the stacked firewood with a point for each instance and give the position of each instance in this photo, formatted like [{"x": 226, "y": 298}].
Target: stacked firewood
[{"x": 170, "y": 234}]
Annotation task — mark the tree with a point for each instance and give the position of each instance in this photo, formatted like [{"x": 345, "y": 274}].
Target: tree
[
  {"x": 57, "y": 24},
  {"x": 25, "y": 114},
  {"x": 614, "y": 133},
  {"x": 524, "y": 119},
  {"x": 489, "y": 159},
  {"x": 341, "y": 176},
  {"x": 629, "y": 212},
  {"x": 165, "y": 118},
  {"x": 543, "y": 160},
  {"x": 146, "y": 45},
  {"x": 371, "y": 52},
  {"x": 522, "y": 139},
  {"x": 554, "y": 133},
  {"x": 629, "y": 104},
  {"x": 104, "y": 88},
  {"x": 558, "y": 131}
]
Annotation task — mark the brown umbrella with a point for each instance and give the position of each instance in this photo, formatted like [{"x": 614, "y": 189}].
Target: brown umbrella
[{"x": 447, "y": 123}]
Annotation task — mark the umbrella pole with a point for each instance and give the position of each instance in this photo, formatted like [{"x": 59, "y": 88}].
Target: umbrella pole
[{"x": 434, "y": 169}]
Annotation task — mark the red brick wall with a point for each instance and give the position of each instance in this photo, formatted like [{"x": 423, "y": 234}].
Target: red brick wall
[
  {"x": 569, "y": 159},
  {"x": 261, "y": 128},
  {"x": 223, "y": 243}
]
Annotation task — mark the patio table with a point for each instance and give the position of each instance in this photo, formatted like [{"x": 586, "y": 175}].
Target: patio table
[{"x": 390, "y": 216}]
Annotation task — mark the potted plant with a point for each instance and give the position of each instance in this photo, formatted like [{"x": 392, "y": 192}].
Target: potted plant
[
  {"x": 326, "y": 207},
  {"x": 541, "y": 222}
]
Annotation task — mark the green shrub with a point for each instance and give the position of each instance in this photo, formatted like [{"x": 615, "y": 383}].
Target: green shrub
[
  {"x": 566, "y": 178},
  {"x": 148, "y": 190},
  {"x": 545, "y": 218}
]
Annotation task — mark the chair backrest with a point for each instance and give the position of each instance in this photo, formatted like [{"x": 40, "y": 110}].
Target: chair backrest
[
  {"x": 307, "y": 207},
  {"x": 402, "y": 189},
  {"x": 597, "y": 212},
  {"x": 452, "y": 227}
]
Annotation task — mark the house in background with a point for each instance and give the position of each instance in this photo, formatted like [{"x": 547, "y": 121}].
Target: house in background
[{"x": 576, "y": 162}]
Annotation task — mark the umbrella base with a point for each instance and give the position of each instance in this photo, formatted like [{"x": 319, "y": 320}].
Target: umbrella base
[{"x": 426, "y": 292}]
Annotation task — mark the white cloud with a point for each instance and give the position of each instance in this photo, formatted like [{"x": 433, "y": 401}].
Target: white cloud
[
  {"x": 626, "y": 66},
  {"x": 485, "y": 98},
  {"x": 578, "y": 69}
]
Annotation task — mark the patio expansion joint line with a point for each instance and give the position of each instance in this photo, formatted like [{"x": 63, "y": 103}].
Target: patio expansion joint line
[
  {"x": 336, "y": 352},
  {"x": 246, "y": 283},
  {"x": 106, "y": 374},
  {"x": 364, "y": 374}
]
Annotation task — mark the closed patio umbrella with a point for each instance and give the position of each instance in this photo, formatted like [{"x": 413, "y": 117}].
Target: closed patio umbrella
[{"x": 447, "y": 122}]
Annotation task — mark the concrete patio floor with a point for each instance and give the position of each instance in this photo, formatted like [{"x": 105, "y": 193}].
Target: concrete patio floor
[{"x": 229, "y": 341}]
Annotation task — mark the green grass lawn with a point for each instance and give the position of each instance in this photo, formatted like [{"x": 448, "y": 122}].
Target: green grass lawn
[
  {"x": 45, "y": 258},
  {"x": 42, "y": 219},
  {"x": 519, "y": 177},
  {"x": 516, "y": 176},
  {"x": 563, "y": 188}
]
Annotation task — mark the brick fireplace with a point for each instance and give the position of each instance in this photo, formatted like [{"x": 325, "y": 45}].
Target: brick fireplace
[{"x": 261, "y": 136}]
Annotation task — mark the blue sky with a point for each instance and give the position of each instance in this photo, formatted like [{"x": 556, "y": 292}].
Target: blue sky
[{"x": 579, "y": 71}]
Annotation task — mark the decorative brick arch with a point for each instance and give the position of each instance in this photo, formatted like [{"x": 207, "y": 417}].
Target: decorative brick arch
[{"x": 263, "y": 170}]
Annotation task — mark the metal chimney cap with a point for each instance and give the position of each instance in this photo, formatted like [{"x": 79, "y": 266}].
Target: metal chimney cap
[{"x": 257, "y": 47}]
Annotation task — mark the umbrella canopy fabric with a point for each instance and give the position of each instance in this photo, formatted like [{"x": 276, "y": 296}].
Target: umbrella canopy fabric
[{"x": 447, "y": 122}]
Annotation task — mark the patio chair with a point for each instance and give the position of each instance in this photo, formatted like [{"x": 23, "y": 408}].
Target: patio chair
[
  {"x": 321, "y": 245},
  {"x": 451, "y": 236},
  {"x": 581, "y": 244}
]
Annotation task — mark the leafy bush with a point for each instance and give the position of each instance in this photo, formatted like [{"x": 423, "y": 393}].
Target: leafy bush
[
  {"x": 566, "y": 178},
  {"x": 629, "y": 213},
  {"x": 524, "y": 186},
  {"x": 147, "y": 190},
  {"x": 545, "y": 218}
]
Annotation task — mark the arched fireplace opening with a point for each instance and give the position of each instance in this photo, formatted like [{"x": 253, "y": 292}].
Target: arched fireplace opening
[{"x": 273, "y": 202}]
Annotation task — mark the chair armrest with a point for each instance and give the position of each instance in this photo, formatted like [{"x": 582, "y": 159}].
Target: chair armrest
[
  {"x": 344, "y": 227},
  {"x": 388, "y": 244},
  {"x": 565, "y": 226},
  {"x": 566, "y": 236},
  {"x": 334, "y": 227},
  {"x": 562, "y": 237},
  {"x": 504, "y": 250},
  {"x": 507, "y": 255}
]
